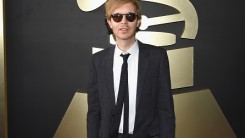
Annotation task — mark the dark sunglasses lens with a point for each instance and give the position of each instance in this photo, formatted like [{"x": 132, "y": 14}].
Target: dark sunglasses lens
[
  {"x": 117, "y": 17},
  {"x": 130, "y": 17}
]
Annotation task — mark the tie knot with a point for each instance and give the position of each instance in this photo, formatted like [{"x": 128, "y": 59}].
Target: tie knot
[{"x": 125, "y": 57}]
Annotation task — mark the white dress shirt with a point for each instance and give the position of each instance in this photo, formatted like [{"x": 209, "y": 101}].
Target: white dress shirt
[{"x": 132, "y": 81}]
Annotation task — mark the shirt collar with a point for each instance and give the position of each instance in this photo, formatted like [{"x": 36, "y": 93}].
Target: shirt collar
[{"x": 132, "y": 50}]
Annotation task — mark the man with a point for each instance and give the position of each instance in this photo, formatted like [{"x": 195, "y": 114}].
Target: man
[{"x": 145, "y": 103}]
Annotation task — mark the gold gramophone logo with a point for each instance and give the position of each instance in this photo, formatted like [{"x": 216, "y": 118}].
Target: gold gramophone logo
[{"x": 181, "y": 60}]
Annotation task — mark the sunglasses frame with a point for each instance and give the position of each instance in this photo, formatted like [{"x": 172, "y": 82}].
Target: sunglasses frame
[{"x": 117, "y": 17}]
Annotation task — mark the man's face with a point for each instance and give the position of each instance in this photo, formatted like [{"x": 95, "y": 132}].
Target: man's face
[{"x": 124, "y": 30}]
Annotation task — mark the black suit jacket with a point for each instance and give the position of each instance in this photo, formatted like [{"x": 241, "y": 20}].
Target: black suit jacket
[{"x": 154, "y": 103}]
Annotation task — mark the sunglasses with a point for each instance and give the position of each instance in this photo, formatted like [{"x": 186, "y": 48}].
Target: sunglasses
[{"x": 129, "y": 16}]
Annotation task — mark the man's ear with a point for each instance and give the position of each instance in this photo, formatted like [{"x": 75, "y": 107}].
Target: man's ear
[
  {"x": 138, "y": 23},
  {"x": 109, "y": 23}
]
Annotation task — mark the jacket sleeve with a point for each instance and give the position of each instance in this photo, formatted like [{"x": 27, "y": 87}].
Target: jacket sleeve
[
  {"x": 94, "y": 114},
  {"x": 165, "y": 100}
]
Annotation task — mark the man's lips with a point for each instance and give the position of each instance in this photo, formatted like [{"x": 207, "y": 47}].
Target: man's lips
[{"x": 123, "y": 29}]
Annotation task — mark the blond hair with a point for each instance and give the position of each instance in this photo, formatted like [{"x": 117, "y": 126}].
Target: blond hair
[{"x": 111, "y": 5}]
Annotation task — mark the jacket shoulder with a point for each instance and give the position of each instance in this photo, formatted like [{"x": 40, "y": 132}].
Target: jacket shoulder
[
  {"x": 153, "y": 50},
  {"x": 104, "y": 53}
]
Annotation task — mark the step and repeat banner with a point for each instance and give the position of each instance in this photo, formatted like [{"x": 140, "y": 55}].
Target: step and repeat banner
[{"x": 49, "y": 45}]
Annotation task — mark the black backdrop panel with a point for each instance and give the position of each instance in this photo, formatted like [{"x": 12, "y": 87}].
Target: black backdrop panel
[{"x": 49, "y": 45}]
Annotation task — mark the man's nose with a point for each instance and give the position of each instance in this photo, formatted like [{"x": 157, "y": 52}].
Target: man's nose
[{"x": 124, "y": 19}]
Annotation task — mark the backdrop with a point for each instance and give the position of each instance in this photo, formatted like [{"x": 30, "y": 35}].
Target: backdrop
[{"x": 49, "y": 46}]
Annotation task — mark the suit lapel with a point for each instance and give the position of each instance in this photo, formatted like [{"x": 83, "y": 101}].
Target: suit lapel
[
  {"x": 108, "y": 64},
  {"x": 142, "y": 70}
]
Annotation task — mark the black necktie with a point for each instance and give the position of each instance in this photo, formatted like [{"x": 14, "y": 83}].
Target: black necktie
[
  {"x": 122, "y": 98},
  {"x": 124, "y": 88}
]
